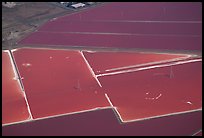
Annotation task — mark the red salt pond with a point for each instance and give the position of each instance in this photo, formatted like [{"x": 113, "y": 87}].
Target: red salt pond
[
  {"x": 172, "y": 26},
  {"x": 58, "y": 82},
  {"x": 115, "y": 41},
  {"x": 155, "y": 92},
  {"x": 122, "y": 28},
  {"x": 104, "y": 122},
  {"x": 14, "y": 108},
  {"x": 102, "y": 62},
  {"x": 141, "y": 11}
]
